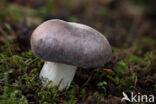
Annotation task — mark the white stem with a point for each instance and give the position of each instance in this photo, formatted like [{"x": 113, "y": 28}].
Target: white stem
[{"x": 56, "y": 74}]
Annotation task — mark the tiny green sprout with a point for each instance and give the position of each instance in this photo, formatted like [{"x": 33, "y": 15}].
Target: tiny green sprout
[
  {"x": 122, "y": 64},
  {"x": 100, "y": 84}
]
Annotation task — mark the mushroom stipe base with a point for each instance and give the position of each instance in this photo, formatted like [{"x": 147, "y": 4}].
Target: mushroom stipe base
[{"x": 56, "y": 74}]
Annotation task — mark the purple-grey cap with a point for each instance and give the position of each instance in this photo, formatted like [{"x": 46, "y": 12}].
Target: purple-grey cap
[{"x": 70, "y": 43}]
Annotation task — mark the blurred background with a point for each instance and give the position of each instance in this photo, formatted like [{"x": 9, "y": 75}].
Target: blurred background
[
  {"x": 129, "y": 25},
  {"x": 122, "y": 21}
]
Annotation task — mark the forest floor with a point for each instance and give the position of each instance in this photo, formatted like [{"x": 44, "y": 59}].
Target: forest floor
[{"x": 128, "y": 25}]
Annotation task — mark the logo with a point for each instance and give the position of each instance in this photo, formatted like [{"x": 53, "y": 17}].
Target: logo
[{"x": 138, "y": 98}]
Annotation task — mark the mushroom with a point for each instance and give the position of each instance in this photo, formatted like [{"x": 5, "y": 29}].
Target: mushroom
[{"x": 65, "y": 46}]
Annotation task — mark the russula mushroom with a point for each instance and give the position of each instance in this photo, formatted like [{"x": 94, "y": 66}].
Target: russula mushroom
[{"x": 65, "y": 46}]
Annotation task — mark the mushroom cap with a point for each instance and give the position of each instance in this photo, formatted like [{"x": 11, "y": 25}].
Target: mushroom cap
[{"x": 70, "y": 43}]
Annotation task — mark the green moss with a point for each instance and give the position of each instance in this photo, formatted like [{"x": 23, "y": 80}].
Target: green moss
[
  {"x": 19, "y": 72},
  {"x": 11, "y": 94},
  {"x": 96, "y": 98},
  {"x": 48, "y": 96}
]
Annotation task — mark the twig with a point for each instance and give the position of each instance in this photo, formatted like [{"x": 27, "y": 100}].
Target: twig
[
  {"x": 136, "y": 81},
  {"x": 90, "y": 77}
]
